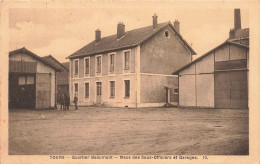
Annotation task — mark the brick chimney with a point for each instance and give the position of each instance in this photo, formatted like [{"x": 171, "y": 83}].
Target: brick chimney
[
  {"x": 176, "y": 25},
  {"x": 98, "y": 35},
  {"x": 155, "y": 21},
  {"x": 237, "y": 19},
  {"x": 120, "y": 30}
]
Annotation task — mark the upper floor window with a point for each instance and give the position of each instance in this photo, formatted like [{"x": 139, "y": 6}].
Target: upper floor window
[
  {"x": 76, "y": 68},
  {"x": 127, "y": 60},
  {"x": 111, "y": 63},
  {"x": 98, "y": 64},
  {"x": 86, "y": 64}
]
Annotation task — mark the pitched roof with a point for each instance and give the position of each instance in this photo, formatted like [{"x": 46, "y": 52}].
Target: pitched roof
[
  {"x": 66, "y": 65},
  {"x": 206, "y": 54},
  {"x": 55, "y": 62},
  {"x": 130, "y": 39},
  {"x": 35, "y": 56}
]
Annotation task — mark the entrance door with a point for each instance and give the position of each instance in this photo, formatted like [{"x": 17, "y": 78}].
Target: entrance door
[
  {"x": 43, "y": 90},
  {"x": 231, "y": 89},
  {"x": 99, "y": 92}
]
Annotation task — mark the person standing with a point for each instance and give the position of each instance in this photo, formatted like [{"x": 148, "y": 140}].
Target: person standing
[{"x": 76, "y": 101}]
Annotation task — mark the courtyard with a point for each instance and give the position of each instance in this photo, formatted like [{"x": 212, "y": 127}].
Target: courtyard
[{"x": 126, "y": 131}]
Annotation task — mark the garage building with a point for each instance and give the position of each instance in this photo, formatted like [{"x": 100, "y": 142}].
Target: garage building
[{"x": 32, "y": 80}]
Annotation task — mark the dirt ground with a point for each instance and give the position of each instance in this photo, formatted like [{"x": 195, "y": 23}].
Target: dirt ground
[{"x": 143, "y": 131}]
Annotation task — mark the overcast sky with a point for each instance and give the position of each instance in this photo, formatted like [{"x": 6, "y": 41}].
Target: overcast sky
[{"x": 60, "y": 32}]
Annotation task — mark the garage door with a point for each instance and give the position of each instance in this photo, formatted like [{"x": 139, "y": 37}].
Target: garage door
[
  {"x": 43, "y": 90},
  {"x": 231, "y": 89}
]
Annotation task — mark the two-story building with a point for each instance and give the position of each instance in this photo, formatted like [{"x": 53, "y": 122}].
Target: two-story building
[{"x": 131, "y": 68}]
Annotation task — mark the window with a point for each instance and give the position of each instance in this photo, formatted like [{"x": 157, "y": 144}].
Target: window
[
  {"x": 86, "y": 90},
  {"x": 76, "y": 88},
  {"x": 112, "y": 89},
  {"x": 26, "y": 80},
  {"x": 166, "y": 33},
  {"x": 111, "y": 63},
  {"x": 76, "y": 67},
  {"x": 22, "y": 80},
  {"x": 176, "y": 91},
  {"x": 127, "y": 88},
  {"x": 99, "y": 89},
  {"x": 98, "y": 64},
  {"x": 86, "y": 60},
  {"x": 127, "y": 60}
]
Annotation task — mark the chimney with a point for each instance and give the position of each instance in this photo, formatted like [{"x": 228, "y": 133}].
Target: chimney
[
  {"x": 98, "y": 35},
  {"x": 237, "y": 19},
  {"x": 120, "y": 30},
  {"x": 176, "y": 25},
  {"x": 155, "y": 21}
]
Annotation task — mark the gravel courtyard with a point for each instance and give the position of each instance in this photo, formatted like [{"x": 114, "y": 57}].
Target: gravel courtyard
[{"x": 143, "y": 131}]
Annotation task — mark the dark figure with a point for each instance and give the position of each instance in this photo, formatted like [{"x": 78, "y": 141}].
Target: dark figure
[
  {"x": 76, "y": 102},
  {"x": 67, "y": 102},
  {"x": 62, "y": 102}
]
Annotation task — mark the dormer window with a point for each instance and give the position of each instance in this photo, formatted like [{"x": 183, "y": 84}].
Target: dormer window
[{"x": 166, "y": 33}]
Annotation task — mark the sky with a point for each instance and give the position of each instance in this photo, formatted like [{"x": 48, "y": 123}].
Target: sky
[{"x": 62, "y": 31}]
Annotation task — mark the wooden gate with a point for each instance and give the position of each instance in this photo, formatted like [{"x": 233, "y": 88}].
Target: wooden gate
[
  {"x": 231, "y": 89},
  {"x": 43, "y": 90}
]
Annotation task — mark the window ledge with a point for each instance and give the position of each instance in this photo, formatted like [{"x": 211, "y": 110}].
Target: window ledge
[
  {"x": 112, "y": 97},
  {"x": 127, "y": 97}
]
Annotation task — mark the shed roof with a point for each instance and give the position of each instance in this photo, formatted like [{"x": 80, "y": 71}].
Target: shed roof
[
  {"x": 130, "y": 39},
  {"x": 24, "y": 50},
  {"x": 206, "y": 54},
  {"x": 55, "y": 62}
]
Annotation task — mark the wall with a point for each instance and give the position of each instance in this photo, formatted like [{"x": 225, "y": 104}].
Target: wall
[
  {"x": 153, "y": 88},
  {"x": 161, "y": 55},
  {"x": 119, "y": 76},
  {"x": 117, "y": 101},
  {"x": 43, "y": 68},
  {"x": 196, "y": 83}
]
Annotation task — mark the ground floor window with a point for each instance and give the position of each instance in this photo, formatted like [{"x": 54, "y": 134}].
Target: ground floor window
[
  {"x": 112, "y": 89},
  {"x": 99, "y": 89},
  {"x": 127, "y": 88},
  {"x": 86, "y": 90}
]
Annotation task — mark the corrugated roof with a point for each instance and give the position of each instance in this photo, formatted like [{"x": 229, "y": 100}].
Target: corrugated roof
[
  {"x": 35, "y": 56},
  {"x": 206, "y": 54},
  {"x": 130, "y": 39}
]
